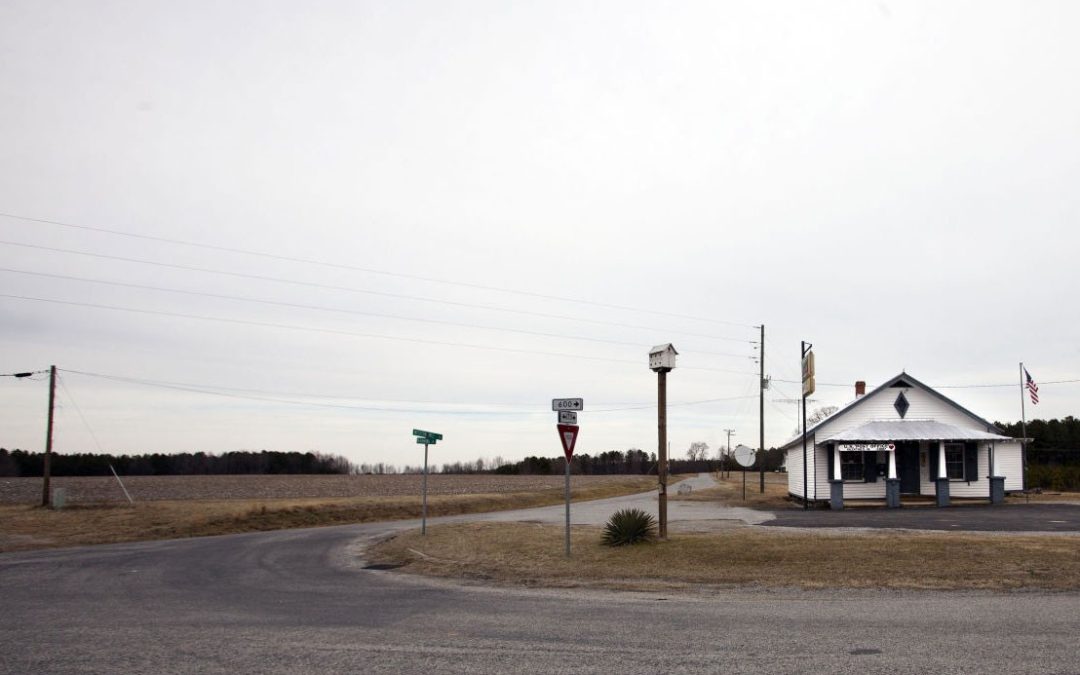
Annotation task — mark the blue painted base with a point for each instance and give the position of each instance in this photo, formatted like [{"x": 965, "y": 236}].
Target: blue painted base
[
  {"x": 942, "y": 491},
  {"x": 836, "y": 494},
  {"x": 997, "y": 489},
  {"x": 892, "y": 493}
]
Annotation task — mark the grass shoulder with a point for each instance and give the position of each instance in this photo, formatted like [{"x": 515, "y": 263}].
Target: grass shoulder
[{"x": 532, "y": 555}]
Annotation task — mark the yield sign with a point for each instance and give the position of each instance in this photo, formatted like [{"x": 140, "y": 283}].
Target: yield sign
[{"x": 568, "y": 436}]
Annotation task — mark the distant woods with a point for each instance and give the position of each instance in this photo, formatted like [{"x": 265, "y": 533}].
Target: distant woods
[{"x": 22, "y": 463}]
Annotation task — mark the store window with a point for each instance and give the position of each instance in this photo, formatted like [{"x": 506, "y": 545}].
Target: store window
[
  {"x": 954, "y": 461},
  {"x": 852, "y": 466}
]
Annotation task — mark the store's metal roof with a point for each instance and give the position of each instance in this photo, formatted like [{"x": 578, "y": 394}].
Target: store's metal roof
[{"x": 912, "y": 430}]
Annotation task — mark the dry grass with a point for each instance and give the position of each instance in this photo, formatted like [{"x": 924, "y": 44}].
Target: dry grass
[
  {"x": 28, "y": 527},
  {"x": 533, "y": 555},
  {"x": 729, "y": 492}
]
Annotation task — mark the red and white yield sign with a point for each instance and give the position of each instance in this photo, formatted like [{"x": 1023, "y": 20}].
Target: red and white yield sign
[{"x": 568, "y": 436}]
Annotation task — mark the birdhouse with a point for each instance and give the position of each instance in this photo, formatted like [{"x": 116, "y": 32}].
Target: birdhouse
[{"x": 662, "y": 357}]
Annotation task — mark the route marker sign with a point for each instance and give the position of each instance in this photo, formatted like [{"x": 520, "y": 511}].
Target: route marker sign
[
  {"x": 558, "y": 404},
  {"x": 567, "y": 417},
  {"x": 568, "y": 435}
]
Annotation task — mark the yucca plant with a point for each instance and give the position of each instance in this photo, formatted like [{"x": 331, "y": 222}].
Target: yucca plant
[{"x": 629, "y": 526}]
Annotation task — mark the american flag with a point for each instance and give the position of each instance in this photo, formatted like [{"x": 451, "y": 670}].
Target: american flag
[{"x": 1032, "y": 388}]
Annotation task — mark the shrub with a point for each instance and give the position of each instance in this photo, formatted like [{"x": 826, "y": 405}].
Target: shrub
[{"x": 629, "y": 526}]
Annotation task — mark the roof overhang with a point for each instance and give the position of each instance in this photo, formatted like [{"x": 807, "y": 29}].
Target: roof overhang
[{"x": 912, "y": 430}]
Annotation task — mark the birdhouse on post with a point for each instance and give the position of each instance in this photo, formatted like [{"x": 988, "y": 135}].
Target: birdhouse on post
[{"x": 662, "y": 358}]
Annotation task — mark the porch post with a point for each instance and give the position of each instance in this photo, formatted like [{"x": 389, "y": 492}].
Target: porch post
[
  {"x": 836, "y": 485},
  {"x": 997, "y": 483},
  {"x": 942, "y": 480},
  {"x": 892, "y": 483}
]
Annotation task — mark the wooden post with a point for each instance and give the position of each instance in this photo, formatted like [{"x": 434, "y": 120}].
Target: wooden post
[
  {"x": 662, "y": 455},
  {"x": 46, "y": 494}
]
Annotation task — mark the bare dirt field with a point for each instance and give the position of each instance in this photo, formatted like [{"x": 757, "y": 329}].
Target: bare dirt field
[{"x": 104, "y": 490}]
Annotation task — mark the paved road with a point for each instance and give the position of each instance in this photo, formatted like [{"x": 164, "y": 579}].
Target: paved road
[{"x": 297, "y": 601}]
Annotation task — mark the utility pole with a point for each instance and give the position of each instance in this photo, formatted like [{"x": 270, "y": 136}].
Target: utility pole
[
  {"x": 761, "y": 413},
  {"x": 727, "y": 452},
  {"x": 46, "y": 495},
  {"x": 806, "y": 361}
]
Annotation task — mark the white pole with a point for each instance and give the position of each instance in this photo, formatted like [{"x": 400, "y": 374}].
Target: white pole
[
  {"x": 941, "y": 471},
  {"x": 1023, "y": 431},
  {"x": 892, "y": 464},
  {"x": 837, "y": 473},
  {"x": 130, "y": 500}
]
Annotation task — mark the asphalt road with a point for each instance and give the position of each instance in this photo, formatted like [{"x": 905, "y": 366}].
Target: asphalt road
[
  {"x": 299, "y": 601},
  {"x": 974, "y": 518}
]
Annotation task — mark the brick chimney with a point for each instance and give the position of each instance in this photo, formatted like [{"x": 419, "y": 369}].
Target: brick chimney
[{"x": 860, "y": 389}]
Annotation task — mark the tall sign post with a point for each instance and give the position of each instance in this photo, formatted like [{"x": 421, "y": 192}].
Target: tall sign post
[
  {"x": 761, "y": 413},
  {"x": 662, "y": 361},
  {"x": 426, "y": 438},
  {"x": 567, "y": 427},
  {"x": 807, "y": 389}
]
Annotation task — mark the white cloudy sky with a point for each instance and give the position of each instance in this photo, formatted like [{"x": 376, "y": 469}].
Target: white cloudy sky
[{"x": 894, "y": 182}]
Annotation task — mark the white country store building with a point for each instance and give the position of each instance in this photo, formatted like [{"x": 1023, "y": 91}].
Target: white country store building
[{"x": 903, "y": 438}]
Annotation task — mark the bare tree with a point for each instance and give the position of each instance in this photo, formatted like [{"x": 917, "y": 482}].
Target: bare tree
[
  {"x": 699, "y": 450},
  {"x": 820, "y": 414}
]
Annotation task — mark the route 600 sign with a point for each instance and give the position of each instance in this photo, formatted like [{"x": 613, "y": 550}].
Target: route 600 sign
[{"x": 560, "y": 404}]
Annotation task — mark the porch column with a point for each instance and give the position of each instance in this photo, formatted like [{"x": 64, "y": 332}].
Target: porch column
[
  {"x": 942, "y": 480},
  {"x": 892, "y": 483},
  {"x": 997, "y": 483},
  {"x": 836, "y": 485}
]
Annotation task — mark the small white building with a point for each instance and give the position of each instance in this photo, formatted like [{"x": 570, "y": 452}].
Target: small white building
[{"x": 903, "y": 438}]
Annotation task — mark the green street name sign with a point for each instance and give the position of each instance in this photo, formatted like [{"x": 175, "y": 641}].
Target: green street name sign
[{"x": 426, "y": 436}]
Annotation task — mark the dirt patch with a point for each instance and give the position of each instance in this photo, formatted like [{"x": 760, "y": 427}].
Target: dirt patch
[
  {"x": 29, "y": 527},
  {"x": 729, "y": 491},
  {"x": 533, "y": 555}
]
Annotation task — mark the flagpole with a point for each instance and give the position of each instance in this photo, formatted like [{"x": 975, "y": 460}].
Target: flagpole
[{"x": 1023, "y": 430}]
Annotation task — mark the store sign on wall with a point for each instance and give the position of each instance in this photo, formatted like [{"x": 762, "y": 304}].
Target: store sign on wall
[{"x": 867, "y": 447}]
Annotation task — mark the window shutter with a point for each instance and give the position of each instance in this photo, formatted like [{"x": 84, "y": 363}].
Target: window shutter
[
  {"x": 932, "y": 452},
  {"x": 971, "y": 461},
  {"x": 870, "y": 467},
  {"x": 832, "y": 462}
]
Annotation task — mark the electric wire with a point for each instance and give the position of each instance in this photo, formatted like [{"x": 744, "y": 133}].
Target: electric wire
[
  {"x": 356, "y": 268},
  {"x": 333, "y": 331},
  {"x": 209, "y": 390},
  {"x": 337, "y": 310},
  {"x": 332, "y": 287}
]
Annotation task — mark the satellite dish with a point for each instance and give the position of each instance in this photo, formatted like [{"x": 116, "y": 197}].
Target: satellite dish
[{"x": 745, "y": 456}]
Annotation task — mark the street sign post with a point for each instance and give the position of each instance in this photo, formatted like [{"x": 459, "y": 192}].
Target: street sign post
[
  {"x": 568, "y": 436},
  {"x": 425, "y": 438}
]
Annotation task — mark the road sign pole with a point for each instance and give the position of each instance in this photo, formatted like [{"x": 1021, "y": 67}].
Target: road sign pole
[
  {"x": 568, "y": 507},
  {"x": 423, "y": 510}
]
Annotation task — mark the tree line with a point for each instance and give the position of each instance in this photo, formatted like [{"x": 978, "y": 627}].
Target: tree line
[{"x": 22, "y": 463}]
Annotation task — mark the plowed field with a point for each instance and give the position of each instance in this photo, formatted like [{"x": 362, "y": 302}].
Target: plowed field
[{"x": 104, "y": 490}]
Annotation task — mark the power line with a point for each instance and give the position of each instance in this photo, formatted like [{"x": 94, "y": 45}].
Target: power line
[
  {"x": 334, "y": 287},
  {"x": 336, "y": 310},
  {"x": 355, "y": 268},
  {"x": 209, "y": 390},
  {"x": 333, "y": 331}
]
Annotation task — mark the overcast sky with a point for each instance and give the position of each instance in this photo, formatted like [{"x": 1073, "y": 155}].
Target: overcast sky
[{"x": 444, "y": 214}]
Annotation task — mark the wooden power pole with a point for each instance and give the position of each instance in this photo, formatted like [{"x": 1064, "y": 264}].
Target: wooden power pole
[
  {"x": 46, "y": 495},
  {"x": 761, "y": 412}
]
